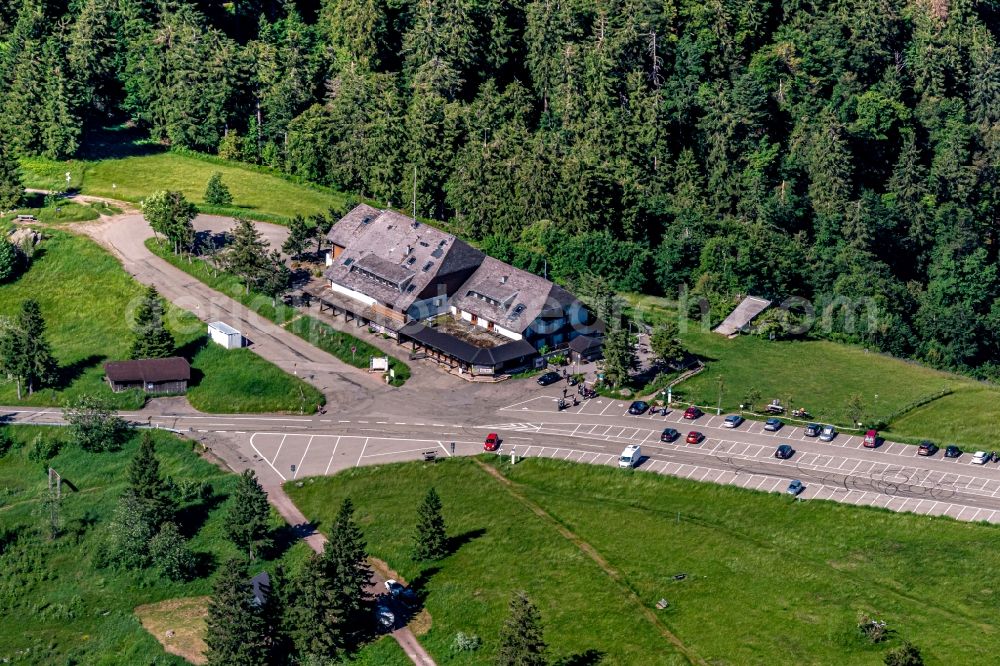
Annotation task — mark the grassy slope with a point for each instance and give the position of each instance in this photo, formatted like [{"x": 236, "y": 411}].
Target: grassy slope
[
  {"x": 255, "y": 193},
  {"x": 769, "y": 580},
  {"x": 821, "y": 376},
  {"x": 67, "y": 608},
  {"x": 71, "y": 271},
  {"x": 309, "y": 329}
]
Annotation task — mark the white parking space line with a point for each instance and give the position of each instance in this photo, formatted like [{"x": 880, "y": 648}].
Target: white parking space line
[
  {"x": 365, "y": 446},
  {"x": 332, "y": 454},
  {"x": 299, "y": 466},
  {"x": 254, "y": 447},
  {"x": 280, "y": 444}
]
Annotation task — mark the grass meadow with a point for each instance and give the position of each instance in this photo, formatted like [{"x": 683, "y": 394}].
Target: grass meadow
[
  {"x": 58, "y": 606},
  {"x": 85, "y": 297},
  {"x": 821, "y": 376},
  {"x": 768, "y": 580}
]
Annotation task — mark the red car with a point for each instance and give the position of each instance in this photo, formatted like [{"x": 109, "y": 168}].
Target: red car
[
  {"x": 871, "y": 439},
  {"x": 694, "y": 437},
  {"x": 492, "y": 442},
  {"x": 692, "y": 413}
]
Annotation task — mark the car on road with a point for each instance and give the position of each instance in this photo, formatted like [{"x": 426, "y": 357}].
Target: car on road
[
  {"x": 980, "y": 458},
  {"x": 785, "y": 451},
  {"x": 694, "y": 437},
  {"x": 871, "y": 439},
  {"x": 952, "y": 451},
  {"x": 401, "y": 593},
  {"x": 386, "y": 618},
  {"x": 812, "y": 430},
  {"x": 927, "y": 448},
  {"x": 827, "y": 434},
  {"x": 772, "y": 424},
  {"x": 733, "y": 421},
  {"x": 692, "y": 413},
  {"x": 638, "y": 407},
  {"x": 669, "y": 435},
  {"x": 795, "y": 488},
  {"x": 549, "y": 378},
  {"x": 492, "y": 442}
]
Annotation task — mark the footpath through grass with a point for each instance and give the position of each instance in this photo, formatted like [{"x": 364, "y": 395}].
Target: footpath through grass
[
  {"x": 257, "y": 194},
  {"x": 821, "y": 376},
  {"x": 334, "y": 342},
  {"x": 86, "y": 297},
  {"x": 768, "y": 580},
  {"x": 58, "y": 606}
]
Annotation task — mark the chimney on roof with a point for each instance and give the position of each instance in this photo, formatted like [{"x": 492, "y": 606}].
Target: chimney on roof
[
  {"x": 503, "y": 279},
  {"x": 408, "y": 250}
]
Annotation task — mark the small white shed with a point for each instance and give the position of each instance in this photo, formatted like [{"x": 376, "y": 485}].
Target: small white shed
[{"x": 225, "y": 335}]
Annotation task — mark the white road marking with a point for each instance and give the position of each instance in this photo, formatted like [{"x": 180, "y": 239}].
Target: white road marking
[
  {"x": 332, "y": 453},
  {"x": 365, "y": 446},
  {"x": 299, "y": 466}
]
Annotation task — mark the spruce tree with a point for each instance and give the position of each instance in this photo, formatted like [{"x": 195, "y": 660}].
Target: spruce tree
[
  {"x": 217, "y": 194},
  {"x": 24, "y": 353},
  {"x": 431, "y": 539},
  {"x": 314, "y": 619},
  {"x": 147, "y": 485},
  {"x": 276, "y": 279},
  {"x": 298, "y": 237},
  {"x": 248, "y": 521},
  {"x": 152, "y": 339},
  {"x": 11, "y": 187},
  {"x": 236, "y": 629},
  {"x": 247, "y": 256},
  {"x": 521, "y": 642}
]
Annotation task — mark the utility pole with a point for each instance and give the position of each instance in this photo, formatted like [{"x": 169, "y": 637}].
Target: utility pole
[{"x": 718, "y": 408}]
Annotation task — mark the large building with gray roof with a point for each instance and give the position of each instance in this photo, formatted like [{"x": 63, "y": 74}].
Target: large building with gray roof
[{"x": 402, "y": 276}]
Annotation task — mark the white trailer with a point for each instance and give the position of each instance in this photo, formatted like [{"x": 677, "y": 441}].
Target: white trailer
[{"x": 225, "y": 335}]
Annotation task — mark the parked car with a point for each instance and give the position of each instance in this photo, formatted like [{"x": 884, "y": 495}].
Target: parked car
[
  {"x": 386, "y": 618},
  {"x": 871, "y": 439},
  {"x": 694, "y": 437},
  {"x": 774, "y": 425},
  {"x": 492, "y": 442},
  {"x": 952, "y": 451},
  {"x": 400, "y": 592},
  {"x": 630, "y": 457},
  {"x": 812, "y": 430},
  {"x": 638, "y": 407},
  {"x": 549, "y": 378},
  {"x": 980, "y": 458},
  {"x": 733, "y": 421},
  {"x": 827, "y": 434},
  {"x": 785, "y": 451},
  {"x": 927, "y": 448},
  {"x": 795, "y": 488},
  {"x": 669, "y": 435},
  {"x": 692, "y": 413}
]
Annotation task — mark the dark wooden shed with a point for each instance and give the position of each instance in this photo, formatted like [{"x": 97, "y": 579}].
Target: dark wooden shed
[{"x": 152, "y": 375}]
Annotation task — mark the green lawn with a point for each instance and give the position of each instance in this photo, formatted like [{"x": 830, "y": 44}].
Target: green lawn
[
  {"x": 968, "y": 418},
  {"x": 67, "y": 610},
  {"x": 769, "y": 580},
  {"x": 821, "y": 376},
  {"x": 66, "y": 211},
  {"x": 256, "y": 193},
  {"x": 84, "y": 295},
  {"x": 313, "y": 331}
]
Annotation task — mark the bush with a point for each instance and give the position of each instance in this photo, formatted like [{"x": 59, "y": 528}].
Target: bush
[
  {"x": 465, "y": 642},
  {"x": 43, "y": 450},
  {"x": 874, "y": 630},
  {"x": 94, "y": 426},
  {"x": 6, "y": 442},
  {"x": 11, "y": 261},
  {"x": 170, "y": 553},
  {"x": 906, "y": 654}
]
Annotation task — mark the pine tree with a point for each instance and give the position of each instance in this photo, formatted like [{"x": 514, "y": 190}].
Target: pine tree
[
  {"x": 147, "y": 485},
  {"x": 345, "y": 562},
  {"x": 314, "y": 619},
  {"x": 24, "y": 353},
  {"x": 152, "y": 339},
  {"x": 248, "y": 521},
  {"x": 298, "y": 237},
  {"x": 236, "y": 629},
  {"x": 431, "y": 539},
  {"x": 247, "y": 256},
  {"x": 275, "y": 279},
  {"x": 217, "y": 194},
  {"x": 521, "y": 642},
  {"x": 11, "y": 187}
]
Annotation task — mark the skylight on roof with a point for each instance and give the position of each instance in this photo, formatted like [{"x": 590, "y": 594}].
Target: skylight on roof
[
  {"x": 427, "y": 266},
  {"x": 348, "y": 261}
]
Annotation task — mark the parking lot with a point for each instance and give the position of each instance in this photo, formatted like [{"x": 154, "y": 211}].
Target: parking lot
[{"x": 294, "y": 456}]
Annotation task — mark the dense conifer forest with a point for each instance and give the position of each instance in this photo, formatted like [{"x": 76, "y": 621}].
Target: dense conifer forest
[{"x": 841, "y": 151}]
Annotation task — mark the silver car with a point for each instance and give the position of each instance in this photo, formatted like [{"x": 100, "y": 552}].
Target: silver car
[
  {"x": 827, "y": 433},
  {"x": 732, "y": 421}
]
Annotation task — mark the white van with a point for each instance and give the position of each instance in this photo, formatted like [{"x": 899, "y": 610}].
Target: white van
[{"x": 630, "y": 456}]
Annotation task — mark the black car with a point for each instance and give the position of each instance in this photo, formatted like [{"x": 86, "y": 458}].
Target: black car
[
  {"x": 952, "y": 451},
  {"x": 549, "y": 378},
  {"x": 927, "y": 448},
  {"x": 812, "y": 430},
  {"x": 669, "y": 435},
  {"x": 638, "y": 407},
  {"x": 784, "y": 452}
]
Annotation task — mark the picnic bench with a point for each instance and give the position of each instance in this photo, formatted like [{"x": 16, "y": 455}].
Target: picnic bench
[{"x": 26, "y": 218}]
